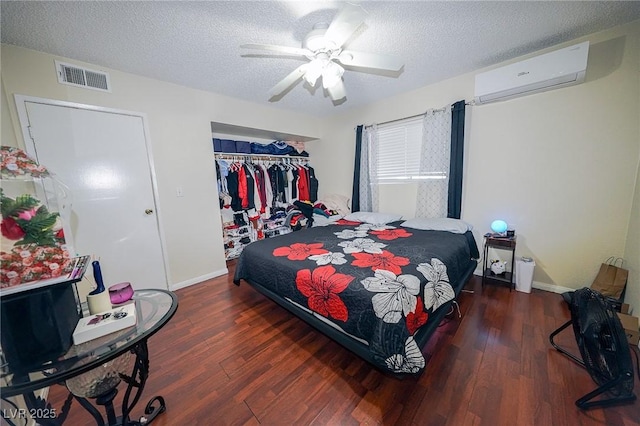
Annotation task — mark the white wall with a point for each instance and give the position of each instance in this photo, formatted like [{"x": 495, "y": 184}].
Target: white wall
[
  {"x": 559, "y": 166},
  {"x": 179, "y": 122}
]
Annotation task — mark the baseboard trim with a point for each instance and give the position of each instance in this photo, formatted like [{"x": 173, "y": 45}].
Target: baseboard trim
[
  {"x": 551, "y": 287},
  {"x": 540, "y": 286},
  {"x": 198, "y": 280}
]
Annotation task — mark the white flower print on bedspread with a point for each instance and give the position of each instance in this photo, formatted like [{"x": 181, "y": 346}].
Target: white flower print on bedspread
[
  {"x": 360, "y": 245},
  {"x": 329, "y": 258},
  {"x": 437, "y": 291},
  {"x": 373, "y": 227},
  {"x": 409, "y": 362},
  {"x": 396, "y": 294},
  {"x": 351, "y": 233}
]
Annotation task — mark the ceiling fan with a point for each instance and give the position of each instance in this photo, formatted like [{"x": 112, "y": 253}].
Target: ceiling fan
[{"x": 323, "y": 46}]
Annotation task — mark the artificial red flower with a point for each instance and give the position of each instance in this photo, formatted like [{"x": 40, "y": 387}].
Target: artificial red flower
[
  {"x": 300, "y": 251},
  {"x": 347, "y": 222},
  {"x": 321, "y": 287},
  {"x": 60, "y": 234},
  {"x": 11, "y": 230},
  {"x": 418, "y": 318},
  {"x": 391, "y": 234},
  {"x": 385, "y": 260}
]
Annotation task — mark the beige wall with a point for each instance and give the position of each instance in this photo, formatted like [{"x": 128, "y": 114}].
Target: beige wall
[
  {"x": 179, "y": 121},
  {"x": 7, "y": 133},
  {"x": 632, "y": 250},
  {"x": 560, "y": 166}
]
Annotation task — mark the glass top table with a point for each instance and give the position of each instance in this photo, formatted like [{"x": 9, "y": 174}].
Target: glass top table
[{"x": 154, "y": 308}]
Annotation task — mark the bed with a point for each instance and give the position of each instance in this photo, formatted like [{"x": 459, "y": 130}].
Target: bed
[{"x": 379, "y": 290}]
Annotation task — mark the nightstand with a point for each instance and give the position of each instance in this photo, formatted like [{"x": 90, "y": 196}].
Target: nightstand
[{"x": 499, "y": 243}]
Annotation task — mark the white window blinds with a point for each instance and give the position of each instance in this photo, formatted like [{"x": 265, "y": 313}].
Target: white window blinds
[{"x": 399, "y": 153}]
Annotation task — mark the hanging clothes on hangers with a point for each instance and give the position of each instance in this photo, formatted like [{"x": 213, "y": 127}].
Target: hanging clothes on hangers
[
  {"x": 222, "y": 171},
  {"x": 313, "y": 184},
  {"x": 246, "y": 182},
  {"x": 260, "y": 188},
  {"x": 277, "y": 184},
  {"x": 303, "y": 184},
  {"x": 233, "y": 188},
  {"x": 249, "y": 201},
  {"x": 294, "y": 184}
]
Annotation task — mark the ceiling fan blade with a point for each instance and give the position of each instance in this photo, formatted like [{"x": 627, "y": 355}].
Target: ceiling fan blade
[
  {"x": 280, "y": 49},
  {"x": 337, "y": 91},
  {"x": 370, "y": 60},
  {"x": 345, "y": 24},
  {"x": 288, "y": 81}
]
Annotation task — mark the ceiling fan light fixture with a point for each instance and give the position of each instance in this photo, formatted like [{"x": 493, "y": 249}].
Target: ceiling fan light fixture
[
  {"x": 315, "y": 41},
  {"x": 313, "y": 71},
  {"x": 331, "y": 75},
  {"x": 323, "y": 47}
]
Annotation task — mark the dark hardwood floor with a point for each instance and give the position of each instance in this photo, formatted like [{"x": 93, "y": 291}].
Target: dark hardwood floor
[{"x": 231, "y": 356}]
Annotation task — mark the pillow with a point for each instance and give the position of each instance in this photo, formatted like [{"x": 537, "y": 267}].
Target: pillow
[
  {"x": 456, "y": 226},
  {"x": 372, "y": 217}
]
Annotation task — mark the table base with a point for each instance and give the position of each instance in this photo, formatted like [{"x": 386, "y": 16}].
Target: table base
[{"x": 136, "y": 381}]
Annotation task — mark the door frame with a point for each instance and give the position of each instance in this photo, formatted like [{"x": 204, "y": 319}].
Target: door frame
[{"x": 23, "y": 117}]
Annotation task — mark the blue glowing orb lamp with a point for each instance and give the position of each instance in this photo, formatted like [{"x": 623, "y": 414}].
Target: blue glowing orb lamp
[{"x": 499, "y": 227}]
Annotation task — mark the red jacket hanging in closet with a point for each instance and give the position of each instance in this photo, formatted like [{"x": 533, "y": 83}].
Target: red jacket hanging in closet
[{"x": 303, "y": 184}]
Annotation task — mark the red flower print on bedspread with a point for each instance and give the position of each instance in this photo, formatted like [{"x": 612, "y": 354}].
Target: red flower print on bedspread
[
  {"x": 391, "y": 234},
  {"x": 300, "y": 251},
  {"x": 385, "y": 260},
  {"x": 347, "y": 222},
  {"x": 321, "y": 287},
  {"x": 418, "y": 318}
]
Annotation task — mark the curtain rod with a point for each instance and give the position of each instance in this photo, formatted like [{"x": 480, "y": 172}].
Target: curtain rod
[{"x": 472, "y": 103}]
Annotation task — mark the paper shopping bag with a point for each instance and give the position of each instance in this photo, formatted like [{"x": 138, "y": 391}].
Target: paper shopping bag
[{"x": 611, "y": 279}]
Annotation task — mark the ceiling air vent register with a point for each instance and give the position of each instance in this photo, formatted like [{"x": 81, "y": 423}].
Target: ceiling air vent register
[{"x": 74, "y": 75}]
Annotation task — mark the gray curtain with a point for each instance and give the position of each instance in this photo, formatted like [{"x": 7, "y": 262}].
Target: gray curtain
[
  {"x": 368, "y": 181},
  {"x": 434, "y": 164}
]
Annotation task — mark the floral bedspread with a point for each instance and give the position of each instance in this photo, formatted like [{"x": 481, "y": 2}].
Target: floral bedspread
[{"x": 377, "y": 283}]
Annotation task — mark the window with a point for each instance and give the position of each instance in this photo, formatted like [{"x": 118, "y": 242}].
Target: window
[{"x": 399, "y": 153}]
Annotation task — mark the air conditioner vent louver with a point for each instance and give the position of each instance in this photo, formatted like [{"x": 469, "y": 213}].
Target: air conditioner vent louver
[
  {"x": 96, "y": 80},
  {"x": 82, "y": 77},
  {"x": 73, "y": 75}
]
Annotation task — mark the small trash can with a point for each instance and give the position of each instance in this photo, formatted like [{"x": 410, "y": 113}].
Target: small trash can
[{"x": 524, "y": 274}]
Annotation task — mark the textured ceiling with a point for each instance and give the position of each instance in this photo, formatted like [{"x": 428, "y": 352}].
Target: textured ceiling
[{"x": 196, "y": 44}]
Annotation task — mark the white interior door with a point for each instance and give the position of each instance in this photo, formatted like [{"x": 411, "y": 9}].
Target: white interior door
[{"x": 102, "y": 157}]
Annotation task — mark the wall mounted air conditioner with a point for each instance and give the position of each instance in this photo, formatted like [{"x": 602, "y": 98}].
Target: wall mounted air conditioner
[{"x": 564, "y": 67}]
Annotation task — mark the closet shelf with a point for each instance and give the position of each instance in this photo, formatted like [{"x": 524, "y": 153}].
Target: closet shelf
[{"x": 250, "y": 132}]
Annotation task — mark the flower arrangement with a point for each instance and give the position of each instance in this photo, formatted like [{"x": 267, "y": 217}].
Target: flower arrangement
[
  {"x": 24, "y": 220},
  {"x": 33, "y": 241},
  {"x": 38, "y": 242},
  {"x": 15, "y": 163},
  {"x": 27, "y": 264}
]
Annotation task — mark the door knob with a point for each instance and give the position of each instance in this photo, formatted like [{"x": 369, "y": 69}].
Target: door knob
[{"x": 148, "y": 211}]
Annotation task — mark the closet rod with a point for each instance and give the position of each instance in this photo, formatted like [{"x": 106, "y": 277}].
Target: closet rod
[
  {"x": 472, "y": 103},
  {"x": 231, "y": 156}
]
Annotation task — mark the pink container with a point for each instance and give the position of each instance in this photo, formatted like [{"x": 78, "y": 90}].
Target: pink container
[{"x": 120, "y": 293}]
